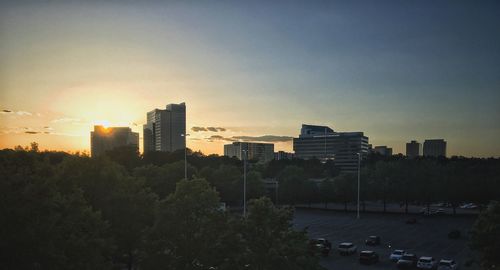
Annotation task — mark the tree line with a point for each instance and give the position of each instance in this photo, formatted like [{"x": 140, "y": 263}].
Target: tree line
[{"x": 70, "y": 211}]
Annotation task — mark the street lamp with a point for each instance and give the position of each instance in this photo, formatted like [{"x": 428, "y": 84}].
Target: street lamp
[
  {"x": 185, "y": 156},
  {"x": 244, "y": 182},
  {"x": 359, "y": 176}
]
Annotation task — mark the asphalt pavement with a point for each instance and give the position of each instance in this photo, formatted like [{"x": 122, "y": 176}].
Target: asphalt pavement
[{"x": 429, "y": 237}]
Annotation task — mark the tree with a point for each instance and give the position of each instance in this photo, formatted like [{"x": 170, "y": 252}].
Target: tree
[
  {"x": 190, "y": 231},
  {"x": 44, "y": 224},
  {"x": 127, "y": 156},
  {"x": 345, "y": 190},
  {"x": 124, "y": 202},
  {"x": 270, "y": 240},
  {"x": 327, "y": 191},
  {"x": 486, "y": 236},
  {"x": 292, "y": 182}
]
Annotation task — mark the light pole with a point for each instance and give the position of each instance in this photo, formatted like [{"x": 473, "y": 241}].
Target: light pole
[
  {"x": 185, "y": 156},
  {"x": 359, "y": 176},
  {"x": 244, "y": 182}
]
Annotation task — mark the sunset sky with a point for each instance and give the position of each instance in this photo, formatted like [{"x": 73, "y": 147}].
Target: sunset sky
[{"x": 396, "y": 70}]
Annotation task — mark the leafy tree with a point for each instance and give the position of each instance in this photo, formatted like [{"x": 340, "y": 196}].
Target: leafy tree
[
  {"x": 486, "y": 236},
  {"x": 292, "y": 181},
  {"x": 327, "y": 191},
  {"x": 127, "y": 156},
  {"x": 270, "y": 240},
  {"x": 124, "y": 201},
  {"x": 44, "y": 225},
  {"x": 345, "y": 188},
  {"x": 191, "y": 232}
]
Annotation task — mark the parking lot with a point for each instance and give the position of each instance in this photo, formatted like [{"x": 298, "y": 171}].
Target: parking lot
[{"x": 429, "y": 237}]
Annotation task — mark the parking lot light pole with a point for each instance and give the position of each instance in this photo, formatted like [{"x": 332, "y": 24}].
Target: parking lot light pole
[
  {"x": 185, "y": 156},
  {"x": 244, "y": 182},
  {"x": 359, "y": 176}
]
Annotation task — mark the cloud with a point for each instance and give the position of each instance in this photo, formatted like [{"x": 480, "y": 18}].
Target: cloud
[
  {"x": 216, "y": 129},
  {"x": 20, "y": 113},
  {"x": 31, "y": 132},
  {"x": 211, "y": 129},
  {"x": 65, "y": 120},
  {"x": 218, "y": 138},
  {"x": 23, "y": 113},
  {"x": 265, "y": 138},
  {"x": 198, "y": 129}
]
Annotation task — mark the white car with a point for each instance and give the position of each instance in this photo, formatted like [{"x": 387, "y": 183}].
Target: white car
[
  {"x": 447, "y": 265},
  {"x": 347, "y": 248},
  {"x": 426, "y": 263},
  {"x": 396, "y": 255}
]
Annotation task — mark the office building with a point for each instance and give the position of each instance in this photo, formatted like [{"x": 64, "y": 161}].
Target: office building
[
  {"x": 382, "y": 150},
  {"x": 435, "y": 148},
  {"x": 165, "y": 129},
  {"x": 413, "y": 149},
  {"x": 103, "y": 139},
  {"x": 263, "y": 152},
  {"x": 323, "y": 143},
  {"x": 283, "y": 155}
]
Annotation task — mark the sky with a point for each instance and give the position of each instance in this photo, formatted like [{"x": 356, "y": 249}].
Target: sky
[{"x": 257, "y": 70}]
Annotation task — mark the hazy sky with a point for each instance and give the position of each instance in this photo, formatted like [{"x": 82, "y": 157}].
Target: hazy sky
[{"x": 396, "y": 70}]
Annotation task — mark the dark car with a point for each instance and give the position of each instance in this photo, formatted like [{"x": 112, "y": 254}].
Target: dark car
[
  {"x": 407, "y": 261},
  {"x": 320, "y": 246},
  {"x": 411, "y": 221},
  {"x": 455, "y": 234},
  {"x": 372, "y": 240},
  {"x": 368, "y": 257}
]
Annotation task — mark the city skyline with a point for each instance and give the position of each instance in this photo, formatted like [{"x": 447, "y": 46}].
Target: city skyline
[{"x": 395, "y": 71}]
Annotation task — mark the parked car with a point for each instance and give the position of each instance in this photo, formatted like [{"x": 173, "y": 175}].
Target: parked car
[
  {"x": 455, "y": 234},
  {"x": 347, "y": 248},
  {"x": 368, "y": 257},
  {"x": 468, "y": 206},
  {"x": 447, "y": 265},
  {"x": 396, "y": 255},
  {"x": 372, "y": 240},
  {"x": 411, "y": 221},
  {"x": 320, "y": 246},
  {"x": 407, "y": 261},
  {"x": 426, "y": 263}
]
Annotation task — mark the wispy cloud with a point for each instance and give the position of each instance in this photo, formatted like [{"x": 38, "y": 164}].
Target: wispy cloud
[
  {"x": 24, "y": 113},
  {"x": 20, "y": 113},
  {"x": 265, "y": 138},
  {"x": 211, "y": 129},
  {"x": 65, "y": 120},
  {"x": 31, "y": 132}
]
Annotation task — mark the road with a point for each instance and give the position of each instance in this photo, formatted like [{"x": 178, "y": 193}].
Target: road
[{"x": 429, "y": 237}]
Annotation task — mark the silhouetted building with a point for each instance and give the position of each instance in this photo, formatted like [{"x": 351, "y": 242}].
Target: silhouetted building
[
  {"x": 263, "y": 152},
  {"x": 103, "y": 139},
  {"x": 283, "y": 155},
  {"x": 165, "y": 129},
  {"x": 323, "y": 143},
  {"x": 435, "y": 148},
  {"x": 413, "y": 149},
  {"x": 382, "y": 150}
]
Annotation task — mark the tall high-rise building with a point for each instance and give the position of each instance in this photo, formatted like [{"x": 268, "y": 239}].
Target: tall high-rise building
[
  {"x": 103, "y": 139},
  {"x": 413, "y": 149},
  {"x": 165, "y": 129},
  {"x": 435, "y": 148},
  {"x": 323, "y": 143},
  {"x": 263, "y": 152}
]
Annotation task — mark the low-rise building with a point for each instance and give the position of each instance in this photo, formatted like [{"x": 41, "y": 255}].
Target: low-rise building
[{"x": 263, "y": 152}]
